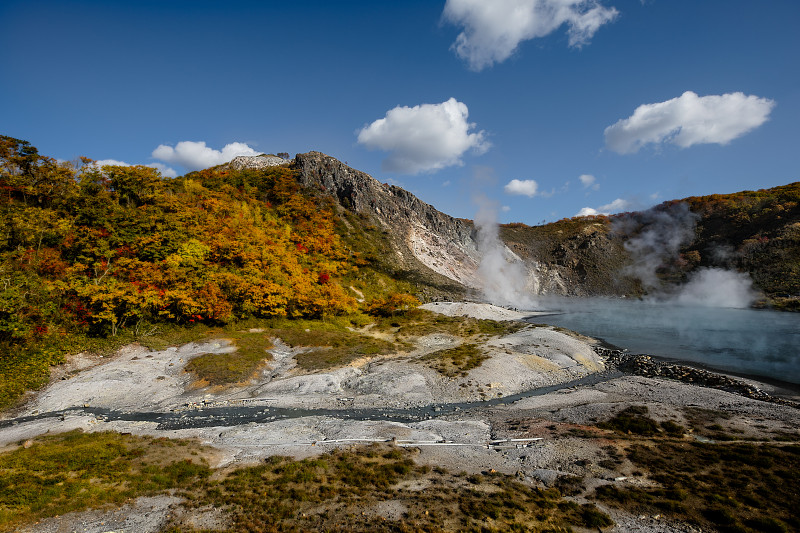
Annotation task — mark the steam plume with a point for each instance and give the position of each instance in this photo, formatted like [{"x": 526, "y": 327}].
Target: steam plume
[
  {"x": 502, "y": 273},
  {"x": 714, "y": 287},
  {"x": 659, "y": 235}
]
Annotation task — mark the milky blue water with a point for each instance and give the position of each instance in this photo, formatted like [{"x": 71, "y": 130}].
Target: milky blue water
[{"x": 754, "y": 342}]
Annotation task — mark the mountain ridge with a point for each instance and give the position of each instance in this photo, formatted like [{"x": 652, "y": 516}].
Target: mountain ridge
[{"x": 582, "y": 256}]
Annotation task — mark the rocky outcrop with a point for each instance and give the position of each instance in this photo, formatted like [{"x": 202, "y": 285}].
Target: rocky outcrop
[
  {"x": 576, "y": 258},
  {"x": 256, "y": 162},
  {"x": 422, "y": 236},
  {"x": 652, "y": 367}
]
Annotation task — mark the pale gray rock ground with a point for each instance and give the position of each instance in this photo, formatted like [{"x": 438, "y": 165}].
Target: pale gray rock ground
[
  {"x": 134, "y": 379},
  {"x": 142, "y": 380},
  {"x": 143, "y": 515},
  {"x": 475, "y": 310},
  {"x": 137, "y": 379}
]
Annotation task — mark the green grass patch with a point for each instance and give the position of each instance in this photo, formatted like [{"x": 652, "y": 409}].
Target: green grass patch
[
  {"x": 73, "y": 471},
  {"x": 732, "y": 486},
  {"x": 332, "y": 349},
  {"x": 337, "y": 491},
  {"x": 25, "y": 368},
  {"x": 235, "y": 367},
  {"x": 419, "y": 322},
  {"x": 333, "y": 338},
  {"x": 333, "y": 342},
  {"x": 28, "y": 368},
  {"x": 163, "y": 336},
  {"x": 458, "y": 361}
]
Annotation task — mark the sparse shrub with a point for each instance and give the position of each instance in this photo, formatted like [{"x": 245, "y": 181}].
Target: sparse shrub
[
  {"x": 569, "y": 485},
  {"x": 732, "y": 486},
  {"x": 632, "y": 420},
  {"x": 591, "y": 517},
  {"x": 279, "y": 495},
  {"x": 456, "y": 361},
  {"x": 767, "y": 524},
  {"x": 719, "y": 516},
  {"x": 392, "y": 305},
  {"x": 672, "y": 429}
]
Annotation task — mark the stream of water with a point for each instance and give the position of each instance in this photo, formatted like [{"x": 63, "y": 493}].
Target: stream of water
[
  {"x": 240, "y": 415},
  {"x": 746, "y": 341}
]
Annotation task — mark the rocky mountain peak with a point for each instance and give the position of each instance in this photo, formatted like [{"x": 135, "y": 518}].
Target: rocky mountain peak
[
  {"x": 420, "y": 233},
  {"x": 256, "y": 162},
  {"x": 425, "y": 239}
]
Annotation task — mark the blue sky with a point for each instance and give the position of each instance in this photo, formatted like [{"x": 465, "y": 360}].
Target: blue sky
[{"x": 557, "y": 108}]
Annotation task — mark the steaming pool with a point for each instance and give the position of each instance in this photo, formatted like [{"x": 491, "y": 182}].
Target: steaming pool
[{"x": 747, "y": 341}]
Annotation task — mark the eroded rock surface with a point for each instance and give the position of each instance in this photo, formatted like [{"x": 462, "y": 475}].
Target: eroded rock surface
[{"x": 257, "y": 162}]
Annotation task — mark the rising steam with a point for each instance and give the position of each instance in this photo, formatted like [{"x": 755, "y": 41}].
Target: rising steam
[
  {"x": 502, "y": 273},
  {"x": 715, "y": 287},
  {"x": 659, "y": 234}
]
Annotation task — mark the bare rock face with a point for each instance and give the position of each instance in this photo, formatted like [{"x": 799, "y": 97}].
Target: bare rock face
[
  {"x": 578, "y": 259},
  {"x": 256, "y": 162},
  {"x": 420, "y": 233}
]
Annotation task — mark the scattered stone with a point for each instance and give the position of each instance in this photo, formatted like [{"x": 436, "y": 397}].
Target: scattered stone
[{"x": 650, "y": 367}]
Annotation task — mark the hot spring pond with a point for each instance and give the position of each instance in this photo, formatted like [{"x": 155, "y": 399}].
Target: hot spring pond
[{"x": 748, "y": 341}]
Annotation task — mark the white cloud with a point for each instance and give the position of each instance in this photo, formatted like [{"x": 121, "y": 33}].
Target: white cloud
[
  {"x": 522, "y": 187},
  {"x": 493, "y": 29},
  {"x": 616, "y": 206},
  {"x": 111, "y": 162},
  {"x": 688, "y": 120},
  {"x": 423, "y": 138},
  {"x": 163, "y": 169},
  {"x": 505, "y": 209},
  {"x": 588, "y": 181},
  {"x": 197, "y": 156}
]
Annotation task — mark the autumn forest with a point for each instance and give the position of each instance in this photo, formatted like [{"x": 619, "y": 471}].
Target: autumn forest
[{"x": 88, "y": 252}]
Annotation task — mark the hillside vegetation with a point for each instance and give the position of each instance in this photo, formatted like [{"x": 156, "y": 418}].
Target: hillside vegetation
[
  {"x": 93, "y": 257},
  {"x": 755, "y": 231}
]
